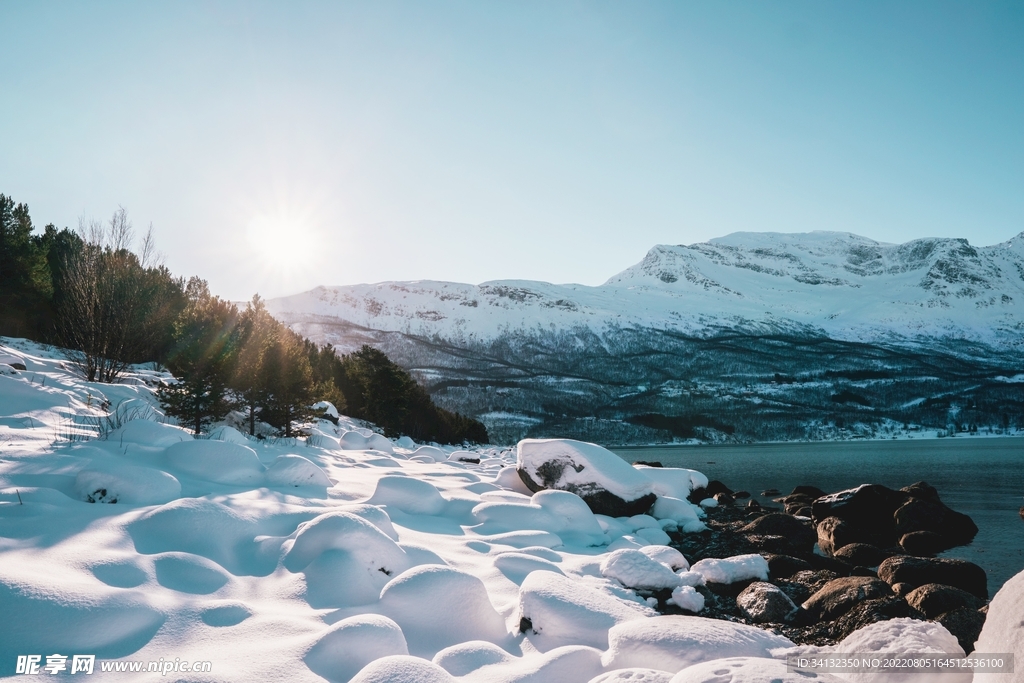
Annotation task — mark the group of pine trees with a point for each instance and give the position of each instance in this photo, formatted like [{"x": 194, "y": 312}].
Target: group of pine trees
[{"x": 111, "y": 305}]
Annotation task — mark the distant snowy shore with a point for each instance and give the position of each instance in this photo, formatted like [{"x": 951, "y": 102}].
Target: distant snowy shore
[{"x": 345, "y": 555}]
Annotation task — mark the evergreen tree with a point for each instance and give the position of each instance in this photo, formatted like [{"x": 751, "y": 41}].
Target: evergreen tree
[
  {"x": 23, "y": 272},
  {"x": 258, "y": 333},
  {"x": 204, "y": 346},
  {"x": 289, "y": 383}
]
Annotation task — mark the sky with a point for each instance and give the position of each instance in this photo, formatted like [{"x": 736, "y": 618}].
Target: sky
[{"x": 279, "y": 146}]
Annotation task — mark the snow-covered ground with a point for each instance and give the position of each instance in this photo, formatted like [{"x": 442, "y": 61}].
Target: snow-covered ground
[{"x": 346, "y": 555}]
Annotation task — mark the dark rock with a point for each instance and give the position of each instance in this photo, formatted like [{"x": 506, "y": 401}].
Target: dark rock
[
  {"x": 714, "y": 486},
  {"x": 839, "y": 596},
  {"x": 472, "y": 461},
  {"x": 804, "y": 512},
  {"x": 1021, "y": 512},
  {"x": 800, "y": 534},
  {"x": 933, "y": 599},
  {"x": 728, "y": 589},
  {"x": 812, "y": 491},
  {"x": 863, "y": 554},
  {"x": 599, "y": 500},
  {"x": 772, "y": 544},
  {"x": 770, "y": 492},
  {"x": 870, "y": 611},
  {"x": 922, "y": 491},
  {"x": 741, "y": 494},
  {"x": 918, "y": 571},
  {"x": 724, "y": 499},
  {"x": 926, "y": 543},
  {"x": 525, "y": 625},
  {"x": 870, "y": 507},
  {"x": 784, "y": 566},
  {"x": 964, "y": 623},
  {"x": 838, "y": 567},
  {"x": 753, "y": 505},
  {"x": 649, "y": 463},
  {"x": 814, "y": 580},
  {"x": 764, "y": 603},
  {"x": 901, "y": 589},
  {"x": 834, "y": 533},
  {"x": 953, "y": 527},
  {"x": 797, "y": 592},
  {"x": 697, "y": 495}
]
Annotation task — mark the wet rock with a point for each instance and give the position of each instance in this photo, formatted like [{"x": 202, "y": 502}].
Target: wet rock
[
  {"x": 870, "y": 611},
  {"x": 834, "y": 533},
  {"x": 724, "y": 499},
  {"x": 812, "y": 491},
  {"x": 770, "y": 492},
  {"x": 933, "y": 599},
  {"x": 714, "y": 486},
  {"x": 965, "y": 624},
  {"x": 697, "y": 495},
  {"x": 648, "y": 463},
  {"x": 863, "y": 554},
  {"x": 762, "y": 602},
  {"x": 800, "y": 534},
  {"x": 814, "y": 579},
  {"x": 784, "y": 566},
  {"x": 922, "y": 491},
  {"x": 797, "y": 592},
  {"x": 867, "y": 509},
  {"x": 839, "y": 596},
  {"x": 901, "y": 589},
  {"x": 804, "y": 512},
  {"x": 916, "y": 515},
  {"x": 918, "y": 571},
  {"x": 926, "y": 543},
  {"x": 753, "y": 505},
  {"x": 739, "y": 495}
]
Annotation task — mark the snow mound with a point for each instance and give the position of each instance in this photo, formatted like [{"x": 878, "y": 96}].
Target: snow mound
[
  {"x": 508, "y": 478},
  {"x": 413, "y": 496},
  {"x": 517, "y": 566},
  {"x": 904, "y": 636},
  {"x": 461, "y": 659},
  {"x": 295, "y": 470},
  {"x": 748, "y": 670},
  {"x": 327, "y": 407},
  {"x": 634, "y": 569},
  {"x": 578, "y": 526},
  {"x": 501, "y": 517},
  {"x": 1004, "y": 626},
  {"x": 633, "y": 675},
  {"x": 732, "y": 569},
  {"x": 562, "y": 611},
  {"x": 372, "y": 549},
  {"x": 686, "y": 597},
  {"x": 402, "y": 669},
  {"x": 439, "y": 606},
  {"x": 525, "y": 539},
  {"x": 669, "y": 557},
  {"x": 216, "y": 461},
  {"x": 684, "y": 513},
  {"x": 148, "y": 433},
  {"x": 374, "y": 515},
  {"x": 188, "y": 573},
  {"x": 126, "y": 484},
  {"x": 352, "y": 643},
  {"x": 674, "y": 482},
  {"x": 567, "y": 664},
  {"x": 582, "y": 468},
  {"x": 432, "y": 452},
  {"x": 354, "y": 441},
  {"x": 229, "y": 435},
  {"x": 674, "y": 642}
]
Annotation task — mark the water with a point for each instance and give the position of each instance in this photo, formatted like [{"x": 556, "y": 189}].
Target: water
[{"x": 981, "y": 477}]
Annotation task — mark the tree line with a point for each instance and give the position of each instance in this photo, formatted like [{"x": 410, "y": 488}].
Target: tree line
[{"x": 110, "y": 303}]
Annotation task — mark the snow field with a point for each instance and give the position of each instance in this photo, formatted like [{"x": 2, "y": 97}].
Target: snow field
[{"x": 306, "y": 561}]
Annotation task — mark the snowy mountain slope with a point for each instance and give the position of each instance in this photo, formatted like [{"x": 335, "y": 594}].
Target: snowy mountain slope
[
  {"x": 848, "y": 287},
  {"x": 733, "y": 313}
]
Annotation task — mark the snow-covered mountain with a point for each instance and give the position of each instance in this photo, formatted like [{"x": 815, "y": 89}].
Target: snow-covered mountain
[{"x": 927, "y": 296}]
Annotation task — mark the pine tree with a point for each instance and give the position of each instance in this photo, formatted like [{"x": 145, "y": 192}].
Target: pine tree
[
  {"x": 205, "y": 342},
  {"x": 289, "y": 378},
  {"x": 258, "y": 333}
]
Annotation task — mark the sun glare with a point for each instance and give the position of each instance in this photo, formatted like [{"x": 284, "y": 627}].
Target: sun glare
[{"x": 279, "y": 242}]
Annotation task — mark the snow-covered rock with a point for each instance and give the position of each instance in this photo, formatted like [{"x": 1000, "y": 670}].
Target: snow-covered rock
[
  {"x": 602, "y": 479},
  {"x": 748, "y": 670},
  {"x": 402, "y": 669},
  {"x": 294, "y": 470},
  {"x": 148, "y": 433},
  {"x": 634, "y": 569},
  {"x": 671, "y": 643},
  {"x": 216, "y": 461},
  {"x": 670, "y": 557},
  {"x": 1004, "y": 626},
  {"x": 352, "y": 643},
  {"x": 732, "y": 569},
  {"x": 686, "y": 597},
  {"x": 408, "y": 494},
  {"x": 126, "y": 484}
]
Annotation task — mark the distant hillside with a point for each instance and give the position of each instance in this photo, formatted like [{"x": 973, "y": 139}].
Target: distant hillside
[{"x": 752, "y": 336}]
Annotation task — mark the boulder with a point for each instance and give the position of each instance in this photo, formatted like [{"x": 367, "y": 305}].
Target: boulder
[
  {"x": 955, "y": 528},
  {"x": 714, "y": 486},
  {"x": 834, "y": 533},
  {"x": 918, "y": 571},
  {"x": 799, "y": 534},
  {"x": 926, "y": 543},
  {"x": 871, "y": 611},
  {"x": 922, "y": 491},
  {"x": 724, "y": 499},
  {"x": 739, "y": 495},
  {"x": 965, "y": 624},
  {"x": 812, "y": 491},
  {"x": 839, "y": 596},
  {"x": 869, "y": 508},
  {"x": 762, "y": 602},
  {"x": 606, "y": 483},
  {"x": 785, "y": 566},
  {"x": 697, "y": 495},
  {"x": 933, "y": 599},
  {"x": 861, "y": 554}
]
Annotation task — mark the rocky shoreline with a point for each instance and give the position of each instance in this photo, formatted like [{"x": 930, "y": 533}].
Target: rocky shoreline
[{"x": 838, "y": 562}]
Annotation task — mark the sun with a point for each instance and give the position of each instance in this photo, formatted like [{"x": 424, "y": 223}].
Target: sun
[{"x": 280, "y": 242}]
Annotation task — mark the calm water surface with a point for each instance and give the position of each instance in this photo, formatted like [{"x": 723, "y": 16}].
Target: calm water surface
[{"x": 981, "y": 477}]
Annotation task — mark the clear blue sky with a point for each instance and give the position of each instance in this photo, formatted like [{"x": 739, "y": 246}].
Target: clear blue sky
[{"x": 277, "y": 146}]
